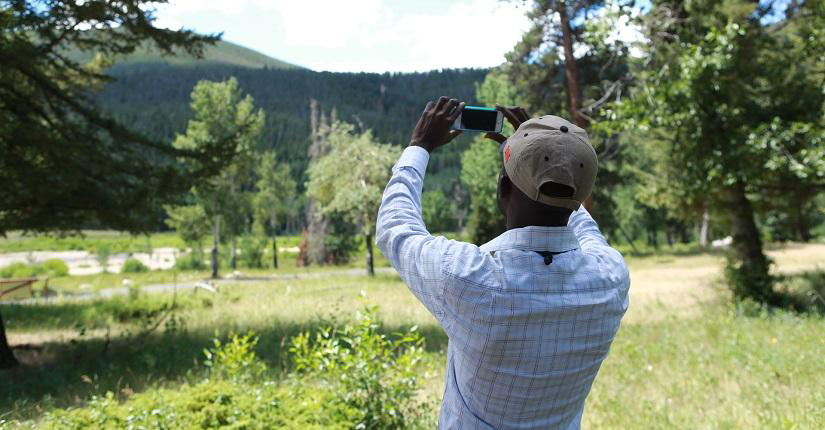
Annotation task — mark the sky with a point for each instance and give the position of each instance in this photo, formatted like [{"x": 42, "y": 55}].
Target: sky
[{"x": 360, "y": 35}]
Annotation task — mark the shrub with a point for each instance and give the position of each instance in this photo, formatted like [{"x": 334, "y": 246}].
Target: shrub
[
  {"x": 235, "y": 360},
  {"x": 102, "y": 253},
  {"x": 205, "y": 405},
  {"x": 56, "y": 267},
  {"x": 372, "y": 375},
  {"x": 190, "y": 262},
  {"x": 133, "y": 265},
  {"x": 53, "y": 267},
  {"x": 16, "y": 270},
  {"x": 252, "y": 251}
]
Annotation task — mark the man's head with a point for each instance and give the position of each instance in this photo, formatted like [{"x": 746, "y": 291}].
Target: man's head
[{"x": 549, "y": 170}]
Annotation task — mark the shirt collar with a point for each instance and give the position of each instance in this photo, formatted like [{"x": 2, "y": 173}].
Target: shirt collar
[{"x": 534, "y": 238}]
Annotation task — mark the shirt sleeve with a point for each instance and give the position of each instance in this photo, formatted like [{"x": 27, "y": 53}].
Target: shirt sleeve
[
  {"x": 402, "y": 236},
  {"x": 586, "y": 229},
  {"x": 593, "y": 243}
]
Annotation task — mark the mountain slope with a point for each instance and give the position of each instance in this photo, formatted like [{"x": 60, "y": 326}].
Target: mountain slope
[
  {"x": 222, "y": 53},
  {"x": 154, "y": 100}
]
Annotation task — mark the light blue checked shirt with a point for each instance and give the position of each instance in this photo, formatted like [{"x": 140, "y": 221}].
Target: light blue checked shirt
[{"x": 526, "y": 339}]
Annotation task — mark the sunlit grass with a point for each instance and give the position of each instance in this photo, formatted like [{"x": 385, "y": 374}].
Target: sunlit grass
[{"x": 676, "y": 362}]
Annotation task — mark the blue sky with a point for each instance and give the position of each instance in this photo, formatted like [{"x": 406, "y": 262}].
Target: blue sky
[{"x": 361, "y": 35}]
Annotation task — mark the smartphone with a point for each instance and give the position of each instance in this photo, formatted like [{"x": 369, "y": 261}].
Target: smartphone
[{"x": 478, "y": 118}]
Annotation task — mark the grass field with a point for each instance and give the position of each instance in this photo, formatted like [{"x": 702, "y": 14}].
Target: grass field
[{"x": 683, "y": 358}]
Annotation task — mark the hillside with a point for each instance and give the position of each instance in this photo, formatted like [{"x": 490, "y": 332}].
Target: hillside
[
  {"x": 221, "y": 53},
  {"x": 154, "y": 99}
]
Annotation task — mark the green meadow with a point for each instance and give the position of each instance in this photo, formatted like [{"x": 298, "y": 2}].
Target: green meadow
[{"x": 684, "y": 358}]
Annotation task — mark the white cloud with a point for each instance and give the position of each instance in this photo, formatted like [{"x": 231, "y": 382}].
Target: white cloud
[{"x": 373, "y": 35}]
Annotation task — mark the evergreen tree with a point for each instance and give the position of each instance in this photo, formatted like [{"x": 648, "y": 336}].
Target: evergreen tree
[{"x": 64, "y": 164}]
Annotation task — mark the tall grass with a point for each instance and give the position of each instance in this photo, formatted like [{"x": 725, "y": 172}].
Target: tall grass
[{"x": 717, "y": 366}]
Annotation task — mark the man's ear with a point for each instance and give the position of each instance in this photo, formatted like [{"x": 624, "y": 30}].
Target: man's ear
[{"x": 503, "y": 193}]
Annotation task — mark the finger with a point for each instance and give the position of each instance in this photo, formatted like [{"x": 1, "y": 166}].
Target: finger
[
  {"x": 441, "y": 102},
  {"x": 448, "y": 107},
  {"x": 424, "y": 114},
  {"x": 522, "y": 114},
  {"x": 498, "y": 137},
  {"x": 453, "y": 134},
  {"x": 457, "y": 112},
  {"x": 429, "y": 106},
  {"x": 511, "y": 117}
]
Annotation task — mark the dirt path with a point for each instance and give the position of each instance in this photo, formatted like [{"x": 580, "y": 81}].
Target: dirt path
[
  {"x": 205, "y": 284},
  {"x": 659, "y": 285},
  {"x": 662, "y": 285}
]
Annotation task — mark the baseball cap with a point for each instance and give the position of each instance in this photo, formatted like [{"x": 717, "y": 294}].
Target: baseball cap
[{"x": 552, "y": 161}]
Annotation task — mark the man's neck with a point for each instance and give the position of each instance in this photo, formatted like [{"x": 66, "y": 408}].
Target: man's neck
[{"x": 535, "y": 223}]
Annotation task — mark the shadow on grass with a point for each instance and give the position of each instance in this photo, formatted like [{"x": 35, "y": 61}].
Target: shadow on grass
[
  {"x": 801, "y": 292},
  {"x": 92, "y": 314},
  {"x": 63, "y": 374}
]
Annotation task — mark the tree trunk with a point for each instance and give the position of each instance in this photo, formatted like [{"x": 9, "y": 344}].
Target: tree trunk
[
  {"x": 753, "y": 276},
  {"x": 275, "y": 251},
  {"x": 7, "y": 359},
  {"x": 216, "y": 235},
  {"x": 370, "y": 267},
  {"x": 801, "y": 221},
  {"x": 571, "y": 72},
  {"x": 233, "y": 259},
  {"x": 703, "y": 231}
]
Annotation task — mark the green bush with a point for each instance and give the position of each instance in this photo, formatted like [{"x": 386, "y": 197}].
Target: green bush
[
  {"x": 53, "y": 267},
  {"x": 190, "y": 262},
  {"x": 348, "y": 378},
  {"x": 235, "y": 360},
  {"x": 206, "y": 405},
  {"x": 252, "y": 251},
  {"x": 133, "y": 265},
  {"x": 16, "y": 270},
  {"x": 370, "y": 374},
  {"x": 56, "y": 267}
]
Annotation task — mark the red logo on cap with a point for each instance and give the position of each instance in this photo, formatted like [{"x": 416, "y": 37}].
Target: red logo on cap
[{"x": 507, "y": 153}]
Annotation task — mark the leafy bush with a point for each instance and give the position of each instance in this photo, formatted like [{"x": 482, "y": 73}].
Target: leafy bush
[
  {"x": 206, "y": 405},
  {"x": 747, "y": 284},
  {"x": 252, "y": 251},
  {"x": 190, "y": 262},
  {"x": 19, "y": 270},
  {"x": 133, "y": 265},
  {"x": 102, "y": 253},
  {"x": 369, "y": 373},
  {"x": 235, "y": 360},
  {"x": 55, "y": 267}
]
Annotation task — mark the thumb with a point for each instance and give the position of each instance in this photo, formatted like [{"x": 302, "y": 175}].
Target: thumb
[
  {"x": 453, "y": 134},
  {"x": 498, "y": 137}
]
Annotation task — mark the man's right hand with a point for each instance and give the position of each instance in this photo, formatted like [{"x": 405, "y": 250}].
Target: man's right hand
[
  {"x": 515, "y": 116},
  {"x": 433, "y": 128}
]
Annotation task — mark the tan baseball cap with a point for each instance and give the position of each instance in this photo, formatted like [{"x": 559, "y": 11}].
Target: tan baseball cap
[{"x": 549, "y": 151}]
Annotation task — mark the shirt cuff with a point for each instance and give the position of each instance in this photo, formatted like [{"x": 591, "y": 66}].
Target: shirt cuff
[{"x": 415, "y": 157}]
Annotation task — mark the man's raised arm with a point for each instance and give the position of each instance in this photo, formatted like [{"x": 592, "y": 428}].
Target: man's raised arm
[{"x": 400, "y": 231}]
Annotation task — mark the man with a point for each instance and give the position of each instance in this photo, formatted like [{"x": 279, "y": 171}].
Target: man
[{"x": 531, "y": 314}]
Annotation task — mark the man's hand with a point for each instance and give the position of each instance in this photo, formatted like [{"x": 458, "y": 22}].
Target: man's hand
[
  {"x": 433, "y": 128},
  {"x": 515, "y": 116}
]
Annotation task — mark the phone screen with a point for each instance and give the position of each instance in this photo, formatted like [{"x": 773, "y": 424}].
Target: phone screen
[{"x": 479, "y": 118}]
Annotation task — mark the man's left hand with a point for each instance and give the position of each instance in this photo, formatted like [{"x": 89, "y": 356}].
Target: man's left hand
[{"x": 433, "y": 128}]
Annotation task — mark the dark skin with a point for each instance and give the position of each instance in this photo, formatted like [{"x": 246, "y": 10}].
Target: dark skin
[{"x": 433, "y": 130}]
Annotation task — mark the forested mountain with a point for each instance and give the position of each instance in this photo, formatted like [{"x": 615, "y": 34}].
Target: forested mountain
[
  {"x": 222, "y": 52},
  {"x": 153, "y": 98}
]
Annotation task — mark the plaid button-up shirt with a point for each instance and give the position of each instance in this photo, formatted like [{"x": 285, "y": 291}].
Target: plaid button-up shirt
[{"x": 526, "y": 339}]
